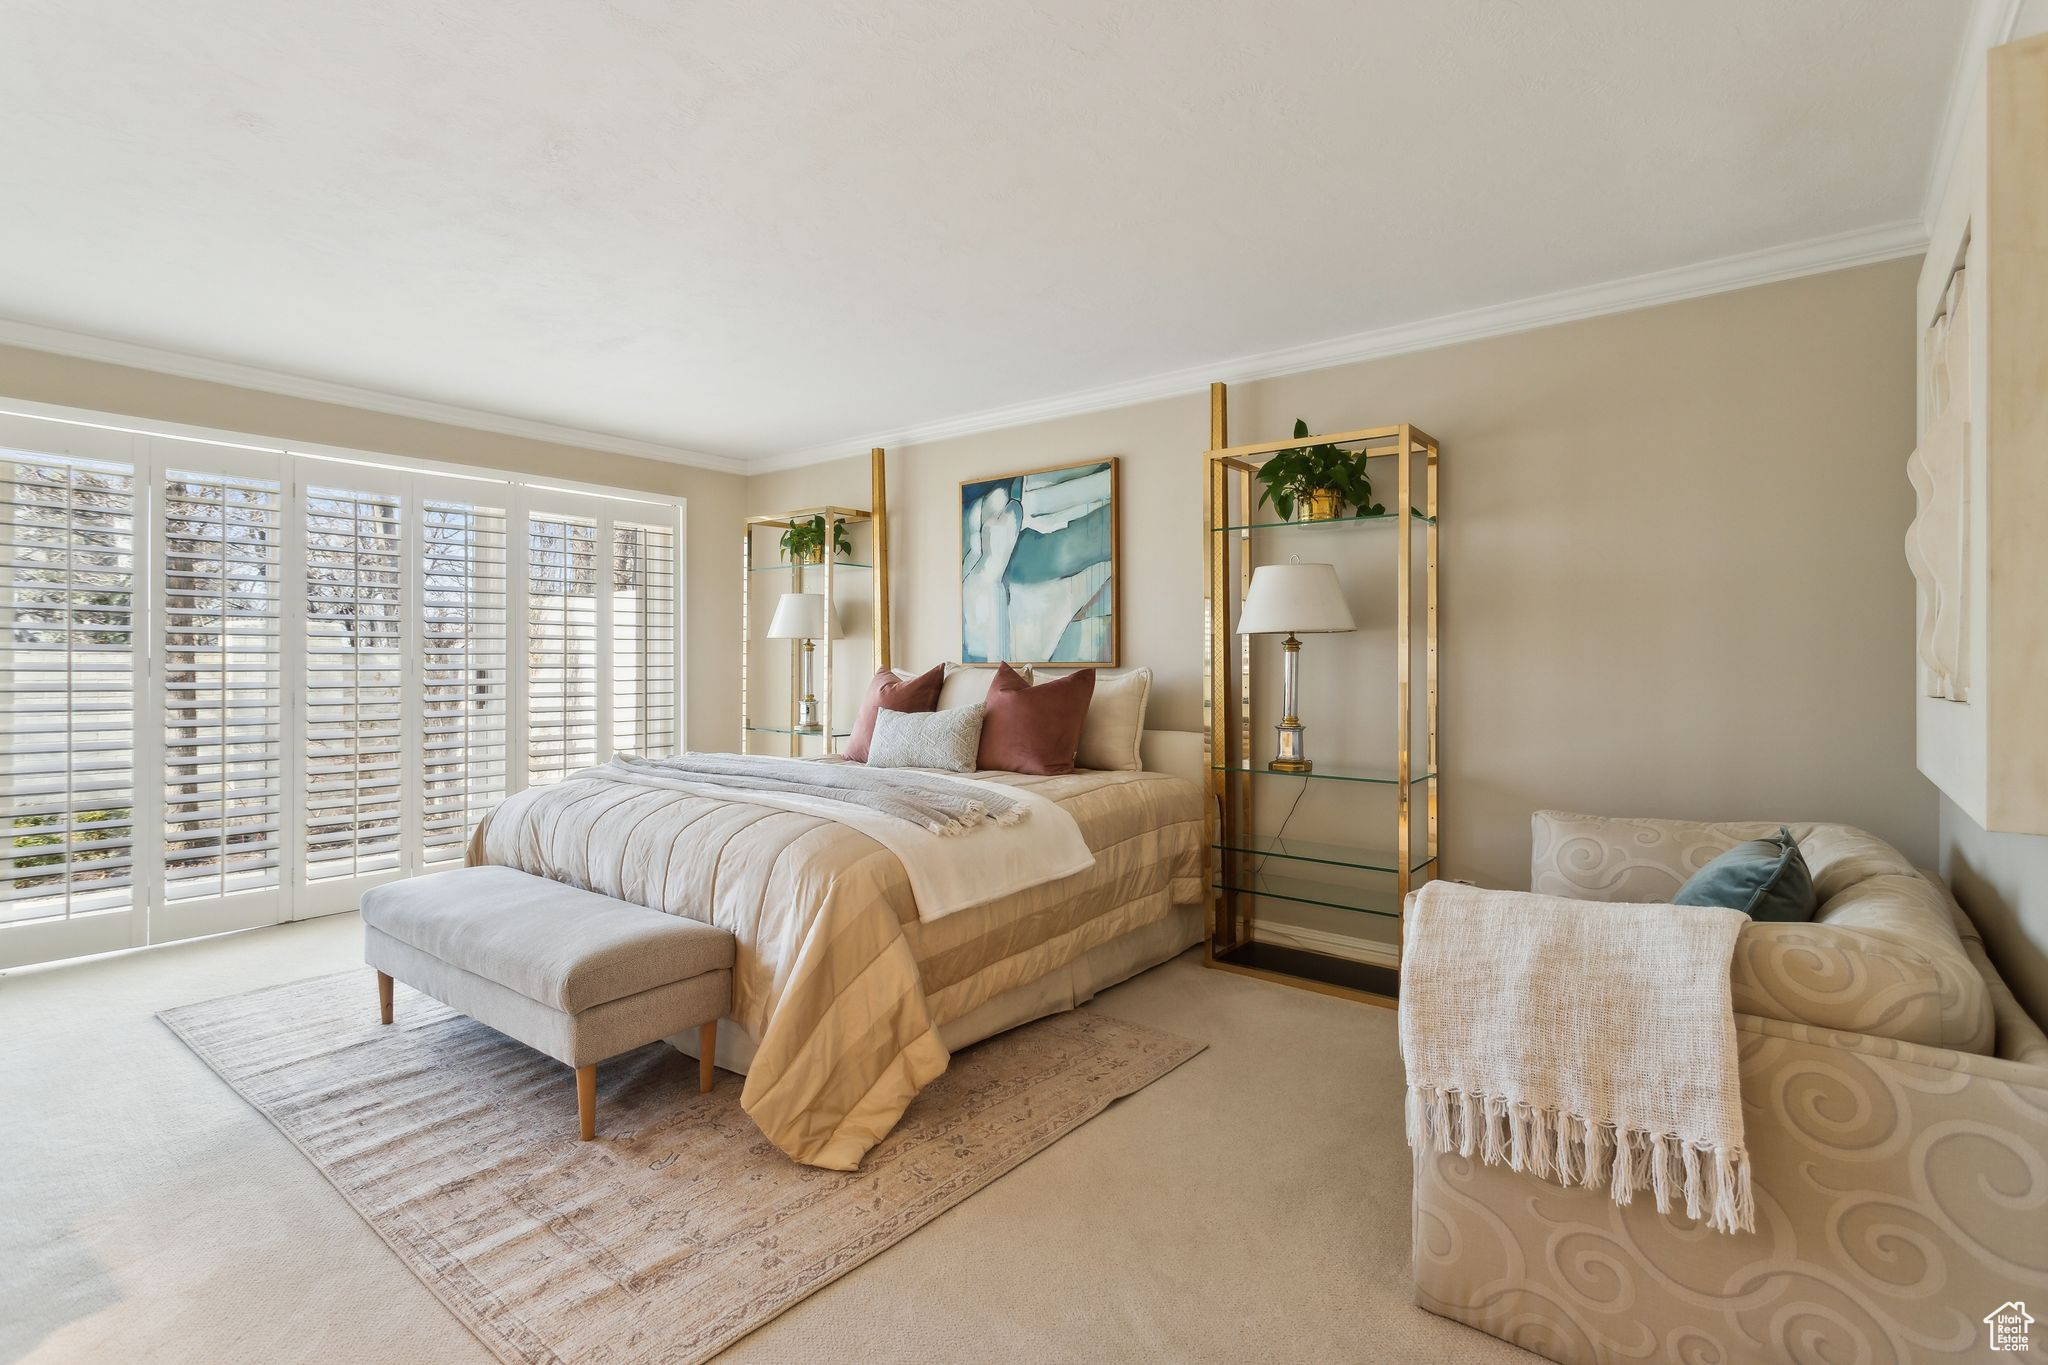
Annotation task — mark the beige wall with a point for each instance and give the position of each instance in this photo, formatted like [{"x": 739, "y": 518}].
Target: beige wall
[
  {"x": 1672, "y": 575},
  {"x": 714, "y": 499},
  {"x": 1672, "y": 579}
]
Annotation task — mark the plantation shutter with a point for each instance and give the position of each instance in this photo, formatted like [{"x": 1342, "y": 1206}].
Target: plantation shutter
[
  {"x": 240, "y": 684},
  {"x": 219, "y": 595},
  {"x": 563, "y": 689},
  {"x": 68, "y": 676},
  {"x": 355, "y": 649},
  {"x": 644, "y": 645},
  {"x": 600, "y": 582},
  {"x": 465, "y": 658}
]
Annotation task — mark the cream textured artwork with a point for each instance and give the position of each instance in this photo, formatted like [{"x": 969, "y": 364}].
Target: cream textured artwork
[{"x": 1938, "y": 542}]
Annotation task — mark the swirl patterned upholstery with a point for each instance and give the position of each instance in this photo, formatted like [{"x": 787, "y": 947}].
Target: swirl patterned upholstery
[
  {"x": 1883, "y": 956},
  {"x": 1896, "y": 1116}
]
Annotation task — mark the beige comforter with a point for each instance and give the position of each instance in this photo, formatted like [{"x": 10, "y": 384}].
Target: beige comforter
[{"x": 840, "y": 984}]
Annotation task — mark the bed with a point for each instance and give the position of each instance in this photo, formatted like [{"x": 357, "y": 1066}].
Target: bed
[{"x": 847, "y": 1001}]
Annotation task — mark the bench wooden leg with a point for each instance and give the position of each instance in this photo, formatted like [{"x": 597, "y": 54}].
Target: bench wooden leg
[
  {"x": 586, "y": 1099},
  {"x": 383, "y": 998},
  {"x": 707, "y": 1048}
]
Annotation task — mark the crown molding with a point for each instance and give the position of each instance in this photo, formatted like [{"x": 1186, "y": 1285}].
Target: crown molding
[
  {"x": 1815, "y": 256},
  {"x": 1991, "y": 23},
  {"x": 33, "y": 337}
]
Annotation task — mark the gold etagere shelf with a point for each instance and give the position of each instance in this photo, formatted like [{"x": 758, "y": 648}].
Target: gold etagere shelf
[
  {"x": 1248, "y": 868},
  {"x": 784, "y": 575}
]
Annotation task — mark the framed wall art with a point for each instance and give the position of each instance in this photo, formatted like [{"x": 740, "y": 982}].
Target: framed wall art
[{"x": 1038, "y": 566}]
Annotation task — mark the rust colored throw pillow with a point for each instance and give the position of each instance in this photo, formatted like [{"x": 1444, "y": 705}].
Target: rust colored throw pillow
[
  {"x": 887, "y": 692},
  {"x": 1030, "y": 729}
]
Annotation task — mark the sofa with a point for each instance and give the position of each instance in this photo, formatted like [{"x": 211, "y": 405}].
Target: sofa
[{"x": 1895, "y": 1106}]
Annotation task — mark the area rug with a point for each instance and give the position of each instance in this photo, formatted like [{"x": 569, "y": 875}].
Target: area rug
[{"x": 681, "y": 1228}]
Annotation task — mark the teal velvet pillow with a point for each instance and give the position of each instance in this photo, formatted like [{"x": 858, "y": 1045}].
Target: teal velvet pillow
[{"x": 1765, "y": 879}]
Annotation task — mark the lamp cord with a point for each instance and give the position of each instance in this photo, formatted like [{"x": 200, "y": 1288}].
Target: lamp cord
[{"x": 1259, "y": 872}]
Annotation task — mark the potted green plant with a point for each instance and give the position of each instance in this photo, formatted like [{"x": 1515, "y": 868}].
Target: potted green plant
[
  {"x": 804, "y": 541},
  {"x": 1321, "y": 480}
]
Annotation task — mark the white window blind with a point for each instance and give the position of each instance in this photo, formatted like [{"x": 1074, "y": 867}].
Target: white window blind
[
  {"x": 464, "y": 684},
  {"x": 355, "y": 644},
  {"x": 644, "y": 654},
  {"x": 67, "y": 667},
  {"x": 222, "y": 698},
  {"x": 563, "y": 689},
  {"x": 240, "y": 684}
]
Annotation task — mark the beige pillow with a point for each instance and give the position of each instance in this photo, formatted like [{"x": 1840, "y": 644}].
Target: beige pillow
[
  {"x": 947, "y": 740},
  {"x": 1116, "y": 721},
  {"x": 969, "y": 686}
]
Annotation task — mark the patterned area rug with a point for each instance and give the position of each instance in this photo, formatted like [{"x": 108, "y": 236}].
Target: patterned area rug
[{"x": 681, "y": 1228}]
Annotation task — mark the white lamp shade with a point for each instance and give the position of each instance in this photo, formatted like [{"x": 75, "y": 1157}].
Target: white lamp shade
[
  {"x": 800, "y": 616},
  {"x": 1294, "y": 599}
]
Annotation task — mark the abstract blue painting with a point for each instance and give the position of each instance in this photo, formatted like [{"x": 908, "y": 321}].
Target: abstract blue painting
[{"x": 1038, "y": 566}]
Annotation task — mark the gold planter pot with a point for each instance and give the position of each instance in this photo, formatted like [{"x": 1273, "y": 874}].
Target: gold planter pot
[
  {"x": 808, "y": 558},
  {"x": 1322, "y": 504}
]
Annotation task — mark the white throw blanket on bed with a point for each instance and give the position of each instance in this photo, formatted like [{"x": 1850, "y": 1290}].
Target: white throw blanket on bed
[
  {"x": 948, "y": 872},
  {"x": 1583, "y": 1042}
]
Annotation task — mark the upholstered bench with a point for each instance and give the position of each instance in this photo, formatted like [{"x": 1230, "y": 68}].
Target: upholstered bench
[{"x": 576, "y": 975}]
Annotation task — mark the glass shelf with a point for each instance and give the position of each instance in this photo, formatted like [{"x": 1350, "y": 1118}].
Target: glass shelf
[
  {"x": 1382, "y": 776},
  {"x": 785, "y": 567},
  {"x": 1385, "y": 904},
  {"x": 1382, "y": 519},
  {"x": 786, "y": 730},
  {"x": 1333, "y": 855}
]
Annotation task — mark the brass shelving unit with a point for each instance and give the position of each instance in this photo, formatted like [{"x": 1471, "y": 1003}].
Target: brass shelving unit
[
  {"x": 1248, "y": 868},
  {"x": 757, "y": 731}
]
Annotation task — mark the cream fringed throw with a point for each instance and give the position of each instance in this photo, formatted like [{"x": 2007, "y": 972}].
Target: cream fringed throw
[{"x": 1581, "y": 1041}]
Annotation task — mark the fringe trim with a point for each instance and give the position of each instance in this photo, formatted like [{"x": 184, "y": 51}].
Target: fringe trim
[
  {"x": 975, "y": 816},
  {"x": 1712, "y": 1182}
]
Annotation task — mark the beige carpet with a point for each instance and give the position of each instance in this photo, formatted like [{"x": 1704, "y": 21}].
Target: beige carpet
[
  {"x": 681, "y": 1228},
  {"x": 1253, "y": 1206}
]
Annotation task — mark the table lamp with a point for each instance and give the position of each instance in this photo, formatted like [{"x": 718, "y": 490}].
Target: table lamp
[
  {"x": 1293, "y": 599},
  {"x": 802, "y": 616}
]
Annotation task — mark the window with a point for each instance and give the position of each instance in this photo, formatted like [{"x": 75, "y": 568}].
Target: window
[
  {"x": 315, "y": 652},
  {"x": 644, "y": 646},
  {"x": 67, "y": 667},
  {"x": 463, "y": 672},
  {"x": 355, "y": 698},
  {"x": 601, "y": 636},
  {"x": 562, "y": 567},
  {"x": 222, "y": 689}
]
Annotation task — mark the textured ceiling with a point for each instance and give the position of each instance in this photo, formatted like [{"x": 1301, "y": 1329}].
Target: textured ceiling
[{"x": 749, "y": 228}]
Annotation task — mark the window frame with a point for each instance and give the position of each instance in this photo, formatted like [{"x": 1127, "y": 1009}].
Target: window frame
[{"x": 152, "y": 449}]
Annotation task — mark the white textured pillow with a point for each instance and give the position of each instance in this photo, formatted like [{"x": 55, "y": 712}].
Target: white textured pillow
[
  {"x": 966, "y": 686},
  {"x": 1116, "y": 721},
  {"x": 927, "y": 739}
]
